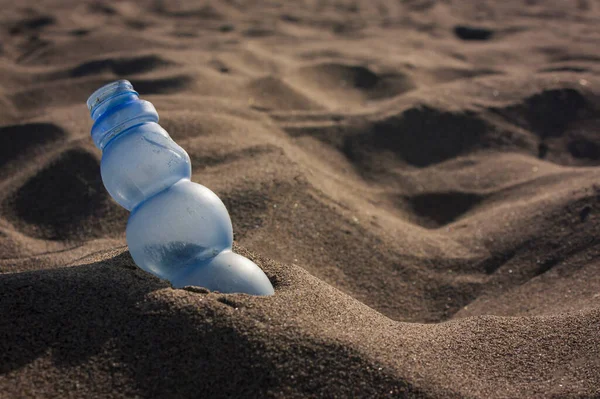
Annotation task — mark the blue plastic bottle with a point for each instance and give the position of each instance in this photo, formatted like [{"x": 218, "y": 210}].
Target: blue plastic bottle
[{"x": 178, "y": 230}]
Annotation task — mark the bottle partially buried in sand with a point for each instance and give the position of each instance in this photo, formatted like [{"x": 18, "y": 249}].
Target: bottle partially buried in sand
[{"x": 178, "y": 230}]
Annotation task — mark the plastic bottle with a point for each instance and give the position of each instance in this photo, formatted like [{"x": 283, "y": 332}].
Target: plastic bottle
[{"x": 177, "y": 230}]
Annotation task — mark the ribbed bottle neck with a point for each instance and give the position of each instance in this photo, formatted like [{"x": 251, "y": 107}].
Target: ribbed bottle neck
[
  {"x": 109, "y": 96},
  {"x": 115, "y": 108}
]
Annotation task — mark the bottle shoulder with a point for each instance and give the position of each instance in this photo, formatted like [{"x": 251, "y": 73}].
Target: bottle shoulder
[{"x": 120, "y": 118}]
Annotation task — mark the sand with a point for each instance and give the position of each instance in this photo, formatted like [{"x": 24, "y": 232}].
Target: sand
[{"x": 418, "y": 179}]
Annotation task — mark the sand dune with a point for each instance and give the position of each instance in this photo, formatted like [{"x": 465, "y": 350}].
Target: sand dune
[{"x": 418, "y": 179}]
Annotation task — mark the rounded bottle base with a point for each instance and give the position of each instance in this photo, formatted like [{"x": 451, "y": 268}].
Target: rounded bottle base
[{"x": 228, "y": 273}]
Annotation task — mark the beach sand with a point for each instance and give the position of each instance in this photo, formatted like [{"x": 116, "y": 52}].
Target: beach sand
[{"x": 418, "y": 179}]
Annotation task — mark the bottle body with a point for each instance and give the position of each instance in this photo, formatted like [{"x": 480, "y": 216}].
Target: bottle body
[
  {"x": 178, "y": 230},
  {"x": 141, "y": 162}
]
